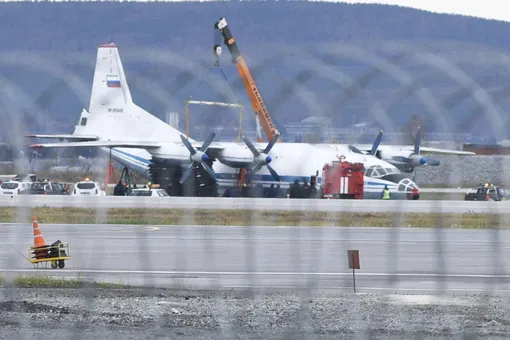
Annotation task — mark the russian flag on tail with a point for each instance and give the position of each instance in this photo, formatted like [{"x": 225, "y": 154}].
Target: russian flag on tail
[{"x": 112, "y": 81}]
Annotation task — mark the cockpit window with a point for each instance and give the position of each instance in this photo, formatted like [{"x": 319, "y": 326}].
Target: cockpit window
[
  {"x": 406, "y": 185},
  {"x": 377, "y": 171}
]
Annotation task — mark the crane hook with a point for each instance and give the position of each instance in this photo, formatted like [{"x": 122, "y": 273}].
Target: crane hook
[{"x": 217, "y": 53}]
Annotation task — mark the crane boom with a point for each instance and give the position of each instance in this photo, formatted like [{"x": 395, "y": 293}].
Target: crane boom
[{"x": 257, "y": 102}]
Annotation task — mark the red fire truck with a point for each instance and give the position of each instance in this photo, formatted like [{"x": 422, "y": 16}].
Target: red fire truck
[{"x": 343, "y": 180}]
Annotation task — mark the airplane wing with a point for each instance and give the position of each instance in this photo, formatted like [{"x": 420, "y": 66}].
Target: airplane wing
[
  {"x": 423, "y": 149},
  {"x": 64, "y": 136},
  {"x": 105, "y": 144},
  {"x": 212, "y": 151}
]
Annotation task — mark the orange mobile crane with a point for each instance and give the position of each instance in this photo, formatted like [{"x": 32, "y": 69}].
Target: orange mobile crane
[{"x": 249, "y": 83}]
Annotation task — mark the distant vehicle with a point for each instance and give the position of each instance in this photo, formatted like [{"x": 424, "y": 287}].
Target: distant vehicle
[
  {"x": 88, "y": 188},
  {"x": 18, "y": 178},
  {"x": 47, "y": 188},
  {"x": 25, "y": 178},
  {"x": 14, "y": 188},
  {"x": 149, "y": 192},
  {"x": 487, "y": 193}
]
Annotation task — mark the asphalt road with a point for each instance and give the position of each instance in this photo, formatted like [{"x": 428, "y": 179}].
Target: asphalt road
[
  {"x": 267, "y": 204},
  {"x": 410, "y": 260}
]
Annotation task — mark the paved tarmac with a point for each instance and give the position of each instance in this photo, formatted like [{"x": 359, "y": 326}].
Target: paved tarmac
[
  {"x": 400, "y": 259},
  {"x": 268, "y": 204}
]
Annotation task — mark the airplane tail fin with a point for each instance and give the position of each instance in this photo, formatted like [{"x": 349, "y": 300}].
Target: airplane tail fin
[
  {"x": 109, "y": 88},
  {"x": 112, "y": 113}
]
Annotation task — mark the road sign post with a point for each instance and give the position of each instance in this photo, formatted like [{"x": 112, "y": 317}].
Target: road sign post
[{"x": 353, "y": 257}]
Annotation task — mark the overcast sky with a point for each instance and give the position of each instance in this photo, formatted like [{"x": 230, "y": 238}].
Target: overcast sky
[{"x": 489, "y": 9}]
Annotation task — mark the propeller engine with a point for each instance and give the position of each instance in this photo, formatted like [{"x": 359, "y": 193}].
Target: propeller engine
[
  {"x": 198, "y": 157},
  {"x": 409, "y": 162},
  {"x": 261, "y": 159},
  {"x": 415, "y": 159}
]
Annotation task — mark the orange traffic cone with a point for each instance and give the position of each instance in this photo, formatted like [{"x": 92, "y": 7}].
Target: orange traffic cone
[
  {"x": 39, "y": 241},
  {"x": 38, "y": 237}
]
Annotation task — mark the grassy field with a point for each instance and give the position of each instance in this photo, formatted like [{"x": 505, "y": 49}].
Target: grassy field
[
  {"x": 439, "y": 196},
  {"x": 246, "y": 218},
  {"x": 56, "y": 282}
]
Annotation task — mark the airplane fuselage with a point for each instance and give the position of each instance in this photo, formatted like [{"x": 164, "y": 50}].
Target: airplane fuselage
[{"x": 292, "y": 161}]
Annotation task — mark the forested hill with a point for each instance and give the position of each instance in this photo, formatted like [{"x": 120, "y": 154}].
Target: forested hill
[
  {"x": 79, "y": 26},
  {"x": 60, "y": 30}
]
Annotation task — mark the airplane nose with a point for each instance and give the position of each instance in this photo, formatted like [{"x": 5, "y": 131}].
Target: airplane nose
[
  {"x": 422, "y": 161},
  {"x": 268, "y": 159},
  {"x": 205, "y": 157}
]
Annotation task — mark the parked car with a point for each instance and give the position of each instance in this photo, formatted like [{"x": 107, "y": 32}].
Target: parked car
[
  {"x": 25, "y": 178},
  {"x": 88, "y": 188},
  {"x": 155, "y": 192},
  {"x": 47, "y": 188},
  {"x": 14, "y": 188}
]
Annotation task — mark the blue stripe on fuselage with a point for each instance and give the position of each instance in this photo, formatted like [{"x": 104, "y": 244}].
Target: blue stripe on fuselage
[{"x": 225, "y": 176}]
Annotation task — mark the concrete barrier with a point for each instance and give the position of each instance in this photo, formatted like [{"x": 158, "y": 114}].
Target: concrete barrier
[{"x": 268, "y": 204}]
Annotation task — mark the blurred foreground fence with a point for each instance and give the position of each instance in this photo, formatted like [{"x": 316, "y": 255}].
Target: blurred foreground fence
[{"x": 454, "y": 88}]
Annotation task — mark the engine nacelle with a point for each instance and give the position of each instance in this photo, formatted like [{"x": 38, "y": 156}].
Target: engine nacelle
[
  {"x": 173, "y": 153},
  {"x": 236, "y": 156},
  {"x": 387, "y": 155},
  {"x": 416, "y": 160},
  {"x": 404, "y": 160}
]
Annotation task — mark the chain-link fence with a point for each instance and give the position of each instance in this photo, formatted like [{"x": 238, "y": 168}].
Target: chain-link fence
[{"x": 257, "y": 271}]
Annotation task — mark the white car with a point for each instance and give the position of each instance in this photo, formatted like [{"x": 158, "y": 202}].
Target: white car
[
  {"x": 149, "y": 192},
  {"x": 88, "y": 188},
  {"x": 14, "y": 187}
]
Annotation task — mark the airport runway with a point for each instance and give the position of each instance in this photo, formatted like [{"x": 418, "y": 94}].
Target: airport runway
[
  {"x": 400, "y": 260},
  {"x": 318, "y": 205}
]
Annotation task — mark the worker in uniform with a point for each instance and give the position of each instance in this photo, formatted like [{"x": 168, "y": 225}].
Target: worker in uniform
[
  {"x": 386, "y": 194},
  {"x": 245, "y": 192},
  {"x": 416, "y": 194},
  {"x": 119, "y": 190},
  {"x": 294, "y": 190},
  {"x": 279, "y": 192}
]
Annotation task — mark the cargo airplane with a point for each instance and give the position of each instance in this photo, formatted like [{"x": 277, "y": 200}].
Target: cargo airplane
[{"x": 142, "y": 142}]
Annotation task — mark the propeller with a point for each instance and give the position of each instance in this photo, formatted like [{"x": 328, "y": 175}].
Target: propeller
[
  {"x": 198, "y": 157},
  {"x": 421, "y": 160},
  {"x": 355, "y": 149},
  {"x": 415, "y": 159},
  {"x": 376, "y": 144},
  {"x": 261, "y": 159}
]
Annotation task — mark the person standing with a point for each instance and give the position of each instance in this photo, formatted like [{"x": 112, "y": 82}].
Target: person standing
[{"x": 386, "y": 194}]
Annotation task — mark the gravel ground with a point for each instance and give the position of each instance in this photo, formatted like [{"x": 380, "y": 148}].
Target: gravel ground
[
  {"x": 169, "y": 314},
  {"x": 456, "y": 170}
]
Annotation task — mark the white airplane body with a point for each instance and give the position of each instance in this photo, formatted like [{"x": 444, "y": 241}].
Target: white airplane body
[{"x": 137, "y": 139}]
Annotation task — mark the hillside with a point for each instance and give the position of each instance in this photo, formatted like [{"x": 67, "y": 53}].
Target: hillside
[{"x": 70, "y": 32}]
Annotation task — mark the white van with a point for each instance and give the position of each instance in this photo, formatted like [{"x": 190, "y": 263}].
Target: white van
[
  {"x": 88, "y": 188},
  {"x": 14, "y": 187}
]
